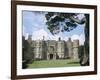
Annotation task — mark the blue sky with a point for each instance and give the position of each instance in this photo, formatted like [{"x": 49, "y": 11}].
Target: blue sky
[{"x": 34, "y": 24}]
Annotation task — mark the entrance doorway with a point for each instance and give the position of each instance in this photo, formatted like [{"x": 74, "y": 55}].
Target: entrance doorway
[{"x": 51, "y": 56}]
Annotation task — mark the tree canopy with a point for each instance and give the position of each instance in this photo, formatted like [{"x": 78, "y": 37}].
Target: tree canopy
[{"x": 62, "y": 21}]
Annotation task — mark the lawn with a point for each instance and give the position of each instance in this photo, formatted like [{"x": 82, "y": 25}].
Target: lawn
[{"x": 53, "y": 63}]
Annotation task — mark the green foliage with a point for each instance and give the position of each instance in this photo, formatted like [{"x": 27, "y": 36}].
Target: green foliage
[
  {"x": 27, "y": 54},
  {"x": 57, "y": 20}
]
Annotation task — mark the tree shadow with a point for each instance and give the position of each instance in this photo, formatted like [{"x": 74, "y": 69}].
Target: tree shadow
[{"x": 73, "y": 63}]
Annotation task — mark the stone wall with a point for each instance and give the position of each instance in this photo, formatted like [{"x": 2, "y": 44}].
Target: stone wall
[
  {"x": 51, "y": 49},
  {"x": 60, "y": 49},
  {"x": 69, "y": 48},
  {"x": 76, "y": 49}
]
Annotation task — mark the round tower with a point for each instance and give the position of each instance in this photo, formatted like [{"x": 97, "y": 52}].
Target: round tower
[
  {"x": 38, "y": 49},
  {"x": 75, "y": 49},
  {"x": 60, "y": 48},
  {"x": 69, "y": 48}
]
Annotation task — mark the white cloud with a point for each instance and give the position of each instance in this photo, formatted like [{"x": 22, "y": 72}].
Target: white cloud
[
  {"x": 56, "y": 37},
  {"x": 74, "y": 37},
  {"x": 38, "y": 35},
  {"x": 26, "y": 35},
  {"x": 80, "y": 37},
  {"x": 66, "y": 38}
]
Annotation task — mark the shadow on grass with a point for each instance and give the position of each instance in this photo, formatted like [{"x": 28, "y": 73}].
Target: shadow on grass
[{"x": 73, "y": 63}]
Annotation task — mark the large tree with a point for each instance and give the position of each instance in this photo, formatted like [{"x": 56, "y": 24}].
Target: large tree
[
  {"x": 27, "y": 52},
  {"x": 60, "y": 22}
]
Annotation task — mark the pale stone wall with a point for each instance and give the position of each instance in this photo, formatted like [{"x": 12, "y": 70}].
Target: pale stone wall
[
  {"x": 69, "y": 48},
  {"x": 60, "y": 49},
  {"x": 38, "y": 49},
  {"x": 76, "y": 49},
  {"x": 37, "y": 53},
  {"x": 52, "y": 49}
]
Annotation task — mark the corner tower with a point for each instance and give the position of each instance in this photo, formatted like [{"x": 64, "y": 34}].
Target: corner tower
[
  {"x": 76, "y": 49},
  {"x": 60, "y": 48},
  {"x": 69, "y": 48}
]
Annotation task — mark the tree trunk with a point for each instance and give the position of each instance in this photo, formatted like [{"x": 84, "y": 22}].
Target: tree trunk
[{"x": 85, "y": 57}]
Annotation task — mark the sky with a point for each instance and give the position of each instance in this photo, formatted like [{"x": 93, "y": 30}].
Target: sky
[{"x": 33, "y": 23}]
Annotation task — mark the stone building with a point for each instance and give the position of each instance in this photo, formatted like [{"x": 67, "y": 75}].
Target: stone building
[
  {"x": 75, "y": 49},
  {"x": 69, "y": 47},
  {"x": 52, "y": 49}
]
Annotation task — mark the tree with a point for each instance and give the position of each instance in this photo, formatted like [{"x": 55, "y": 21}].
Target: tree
[
  {"x": 24, "y": 51},
  {"x": 60, "y": 22},
  {"x": 27, "y": 52}
]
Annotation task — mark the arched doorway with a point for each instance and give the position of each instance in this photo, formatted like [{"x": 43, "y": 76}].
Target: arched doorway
[{"x": 51, "y": 56}]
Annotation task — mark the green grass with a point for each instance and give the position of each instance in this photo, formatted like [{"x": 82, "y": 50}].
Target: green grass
[{"x": 53, "y": 63}]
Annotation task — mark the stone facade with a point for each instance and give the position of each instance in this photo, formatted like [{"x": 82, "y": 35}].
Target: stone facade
[{"x": 51, "y": 49}]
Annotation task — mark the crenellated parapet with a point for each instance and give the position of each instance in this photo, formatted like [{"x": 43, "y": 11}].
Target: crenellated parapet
[{"x": 52, "y": 49}]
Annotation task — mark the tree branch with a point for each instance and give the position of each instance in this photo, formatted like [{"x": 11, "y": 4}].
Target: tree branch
[{"x": 77, "y": 20}]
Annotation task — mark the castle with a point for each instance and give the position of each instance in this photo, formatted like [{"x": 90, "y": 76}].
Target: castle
[{"x": 52, "y": 49}]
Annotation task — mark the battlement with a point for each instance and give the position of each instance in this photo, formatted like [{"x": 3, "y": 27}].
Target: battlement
[{"x": 52, "y": 49}]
